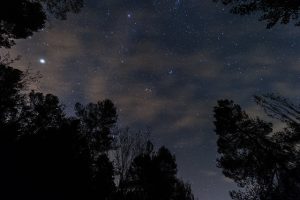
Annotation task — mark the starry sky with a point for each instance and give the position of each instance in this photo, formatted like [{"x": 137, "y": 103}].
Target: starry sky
[{"x": 165, "y": 64}]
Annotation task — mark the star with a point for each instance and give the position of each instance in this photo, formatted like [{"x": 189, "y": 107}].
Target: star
[{"x": 42, "y": 61}]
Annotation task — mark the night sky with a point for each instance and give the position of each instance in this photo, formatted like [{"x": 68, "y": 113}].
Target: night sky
[{"x": 165, "y": 64}]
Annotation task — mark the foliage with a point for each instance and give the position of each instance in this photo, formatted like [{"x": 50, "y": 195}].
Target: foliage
[
  {"x": 19, "y": 19},
  {"x": 45, "y": 154},
  {"x": 264, "y": 163},
  {"x": 272, "y": 11}
]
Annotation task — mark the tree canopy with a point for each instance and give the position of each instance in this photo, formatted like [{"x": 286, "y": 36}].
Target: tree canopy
[
  {"x": 264, "y": 163},
  {"x": 46, "y": 154},
  {"x": 270, "y": 11},
  {"x": 19, "y": 19}
]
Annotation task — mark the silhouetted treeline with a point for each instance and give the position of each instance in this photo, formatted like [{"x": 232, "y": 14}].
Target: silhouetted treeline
[
  {"x": 271, "y": 11},
  {"x": 45, "y": 154},
  {"x": 265, "y": 163},
  {"x": 19, "y": 19}
]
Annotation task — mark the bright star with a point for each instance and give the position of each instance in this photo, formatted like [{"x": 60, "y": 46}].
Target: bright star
[{"x": 42, "y": 61}]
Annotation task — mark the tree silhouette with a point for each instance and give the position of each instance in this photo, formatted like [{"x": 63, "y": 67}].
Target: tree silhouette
[
  {"x": 45, "y": 154},
  {"x": 182, "y": 191},
  {"x": 279, "y": 108},
  {"x": 11, "y": 81},
  {"x": 97, "y": 121},
  {"x": 41, "y": 112},
  {"x": 54, "y": 163},
  {"x": 272, "y": 11},
  {"x": 128, "y": 146},
  {"x": 11, "y": 85},
  {"x": 103, "y": 186},
  {"x": 60, "y": 9},
  {"x": 264, "y": 163},
  {"x": 152, "y": 176},
  {"x": 19, "y": 19}
]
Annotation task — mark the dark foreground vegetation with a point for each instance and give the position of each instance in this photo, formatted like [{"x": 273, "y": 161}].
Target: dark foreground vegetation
[
  {"x": 270, "y": 11},
  {"x": 47, "y": 155},
  {"x": 265, "y": 163}
]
